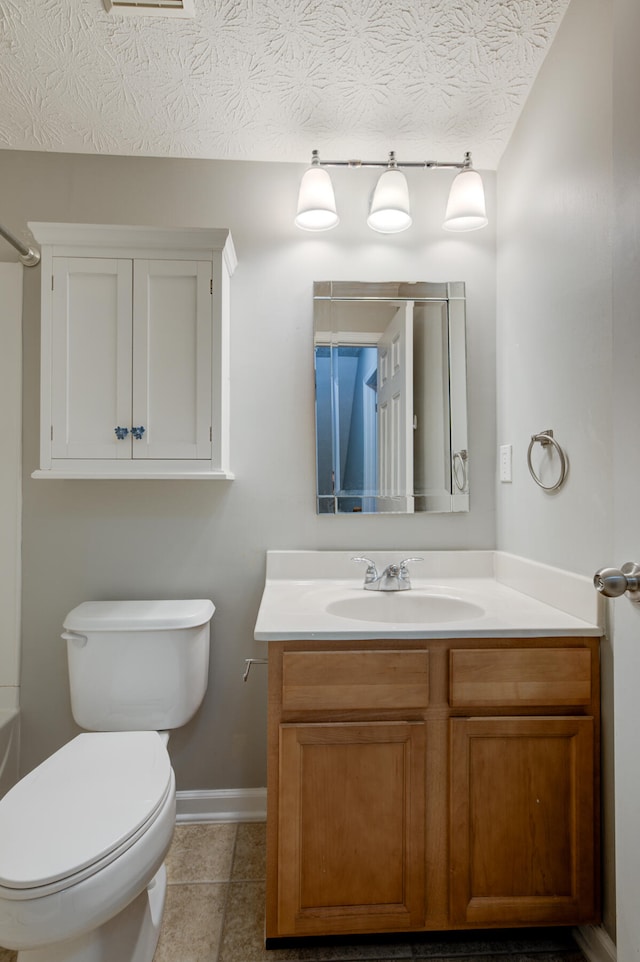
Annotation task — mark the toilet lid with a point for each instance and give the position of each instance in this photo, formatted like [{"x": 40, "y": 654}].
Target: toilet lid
[{"x": 82, "y": 803}]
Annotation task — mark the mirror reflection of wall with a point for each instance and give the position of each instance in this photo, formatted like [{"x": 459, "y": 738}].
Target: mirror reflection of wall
[{"x": 390, "y": 371}]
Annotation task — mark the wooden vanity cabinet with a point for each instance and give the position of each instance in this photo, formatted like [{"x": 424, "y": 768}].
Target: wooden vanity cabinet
[{"x": 432, "y": 785}]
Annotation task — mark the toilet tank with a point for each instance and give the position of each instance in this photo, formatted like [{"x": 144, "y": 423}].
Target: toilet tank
[{"x": 137, "y": 665}]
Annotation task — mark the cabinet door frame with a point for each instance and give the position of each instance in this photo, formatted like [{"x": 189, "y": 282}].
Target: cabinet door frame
[
  {"x": 408, "y": 913},
  {"x": 580, "y": 902}
]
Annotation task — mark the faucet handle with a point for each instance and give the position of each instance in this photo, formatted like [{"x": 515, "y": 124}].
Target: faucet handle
[
  {"x": 371, "y": 573},
  {"x": 403, "y": 571}
]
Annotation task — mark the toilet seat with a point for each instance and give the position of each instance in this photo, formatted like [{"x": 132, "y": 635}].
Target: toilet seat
[
  {"x": 80, "y": 810},
  {"x": 35, "y": 919}
]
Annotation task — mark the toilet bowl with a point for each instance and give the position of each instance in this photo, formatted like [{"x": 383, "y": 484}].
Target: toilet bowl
[
  {"x": 81, "y": 837},
  {"x": 84, "y": 836}
]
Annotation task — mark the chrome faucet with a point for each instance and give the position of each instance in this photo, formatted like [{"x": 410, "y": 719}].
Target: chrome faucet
[{"x": 395, "y": 577}]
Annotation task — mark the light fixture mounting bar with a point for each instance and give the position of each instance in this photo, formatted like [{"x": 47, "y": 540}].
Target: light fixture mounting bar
[{"x": 392, "y": 162}]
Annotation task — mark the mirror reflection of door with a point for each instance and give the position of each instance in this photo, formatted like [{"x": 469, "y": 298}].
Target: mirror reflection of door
[{"x": 395, "y": 413}]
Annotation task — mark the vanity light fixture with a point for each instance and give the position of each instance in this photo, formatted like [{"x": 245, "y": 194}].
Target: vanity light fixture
[
  {"x": 390, "y": 212},
  {"x": 316, "y": 200},
  {"x": 466, "y": 208}
]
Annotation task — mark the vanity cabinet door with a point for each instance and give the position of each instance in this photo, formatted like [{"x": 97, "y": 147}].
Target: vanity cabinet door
[
  {"x": 351, "y": 827},
  {"x": 522, "y": 825}
]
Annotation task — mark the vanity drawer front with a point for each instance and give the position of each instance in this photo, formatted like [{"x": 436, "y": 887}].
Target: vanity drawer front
[
  {"x": 501, "y": 677},
  {"x": 337, "y": 680}
]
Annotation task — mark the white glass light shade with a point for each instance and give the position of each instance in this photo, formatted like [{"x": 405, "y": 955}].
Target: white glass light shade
[
  {"x": 466, "y": 208},
  {"x": 390, "y": 212},
  {"x": 316, "y": 201}
]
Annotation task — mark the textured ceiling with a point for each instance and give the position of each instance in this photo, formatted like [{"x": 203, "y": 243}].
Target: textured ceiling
[{"x": 272, "y": 79}]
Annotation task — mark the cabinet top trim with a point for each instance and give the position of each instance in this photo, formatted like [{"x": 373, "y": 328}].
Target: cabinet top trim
[{"x": 117, "y": 236}]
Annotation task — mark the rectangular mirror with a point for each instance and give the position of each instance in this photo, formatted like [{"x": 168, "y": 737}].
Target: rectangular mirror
[{"x": 391, "y": 397}]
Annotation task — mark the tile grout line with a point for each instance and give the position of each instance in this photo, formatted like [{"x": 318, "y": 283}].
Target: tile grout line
[{"x": 227, "y": 896}]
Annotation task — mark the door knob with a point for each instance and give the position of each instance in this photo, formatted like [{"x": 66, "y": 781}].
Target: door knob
[{"x": 613, "y": 582}]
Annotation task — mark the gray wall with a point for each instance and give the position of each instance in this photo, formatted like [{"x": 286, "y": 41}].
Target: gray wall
[
  {"x": 554, "y": 303},
  {"x": 554, "y": 331},
  {"x": 115, "y": 539}
]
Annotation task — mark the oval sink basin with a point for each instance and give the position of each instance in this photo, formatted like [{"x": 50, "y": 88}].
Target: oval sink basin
[{"x": 406, "y": 607}]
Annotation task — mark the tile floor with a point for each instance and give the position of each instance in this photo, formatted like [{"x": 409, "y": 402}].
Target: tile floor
[{"x": 215, "y": 913}]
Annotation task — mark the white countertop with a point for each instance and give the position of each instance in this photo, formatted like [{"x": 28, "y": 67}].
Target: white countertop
[{"x": 296, "y": 607}]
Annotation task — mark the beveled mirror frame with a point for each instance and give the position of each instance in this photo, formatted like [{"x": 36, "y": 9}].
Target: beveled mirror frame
[{"x": 439, "y": 460}]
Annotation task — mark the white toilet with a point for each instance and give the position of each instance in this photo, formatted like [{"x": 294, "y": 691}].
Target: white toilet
[{"x": 83, "y": 837}]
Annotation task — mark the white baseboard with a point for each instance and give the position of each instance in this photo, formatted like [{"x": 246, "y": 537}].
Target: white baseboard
[
  {"x": 222, "y": 805},
  {"x": 595, "y": 944}
]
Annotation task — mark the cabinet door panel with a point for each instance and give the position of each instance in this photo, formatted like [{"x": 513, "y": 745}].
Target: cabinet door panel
[
  {"x": 522, "y": 820},
  {"x": 91, "y": 357},
  {"x": 351, "y": 828},
  {"x": 172, "y": 360}
]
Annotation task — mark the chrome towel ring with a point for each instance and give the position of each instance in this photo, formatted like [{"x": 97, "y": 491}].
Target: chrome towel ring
[{"x": 545, "y": 438}]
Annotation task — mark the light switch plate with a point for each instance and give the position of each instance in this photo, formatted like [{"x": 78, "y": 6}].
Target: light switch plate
[{"x": 505, "y": 462}]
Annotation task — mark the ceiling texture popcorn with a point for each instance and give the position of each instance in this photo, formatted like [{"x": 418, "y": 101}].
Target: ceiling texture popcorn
[{"x": 272, "y": 79}]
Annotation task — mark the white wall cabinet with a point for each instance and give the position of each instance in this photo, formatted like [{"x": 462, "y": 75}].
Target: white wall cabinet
[{"x": 135, "y": 352}]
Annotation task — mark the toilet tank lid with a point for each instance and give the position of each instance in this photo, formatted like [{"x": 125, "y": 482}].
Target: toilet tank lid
[{"x": 139, "y": 615}]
